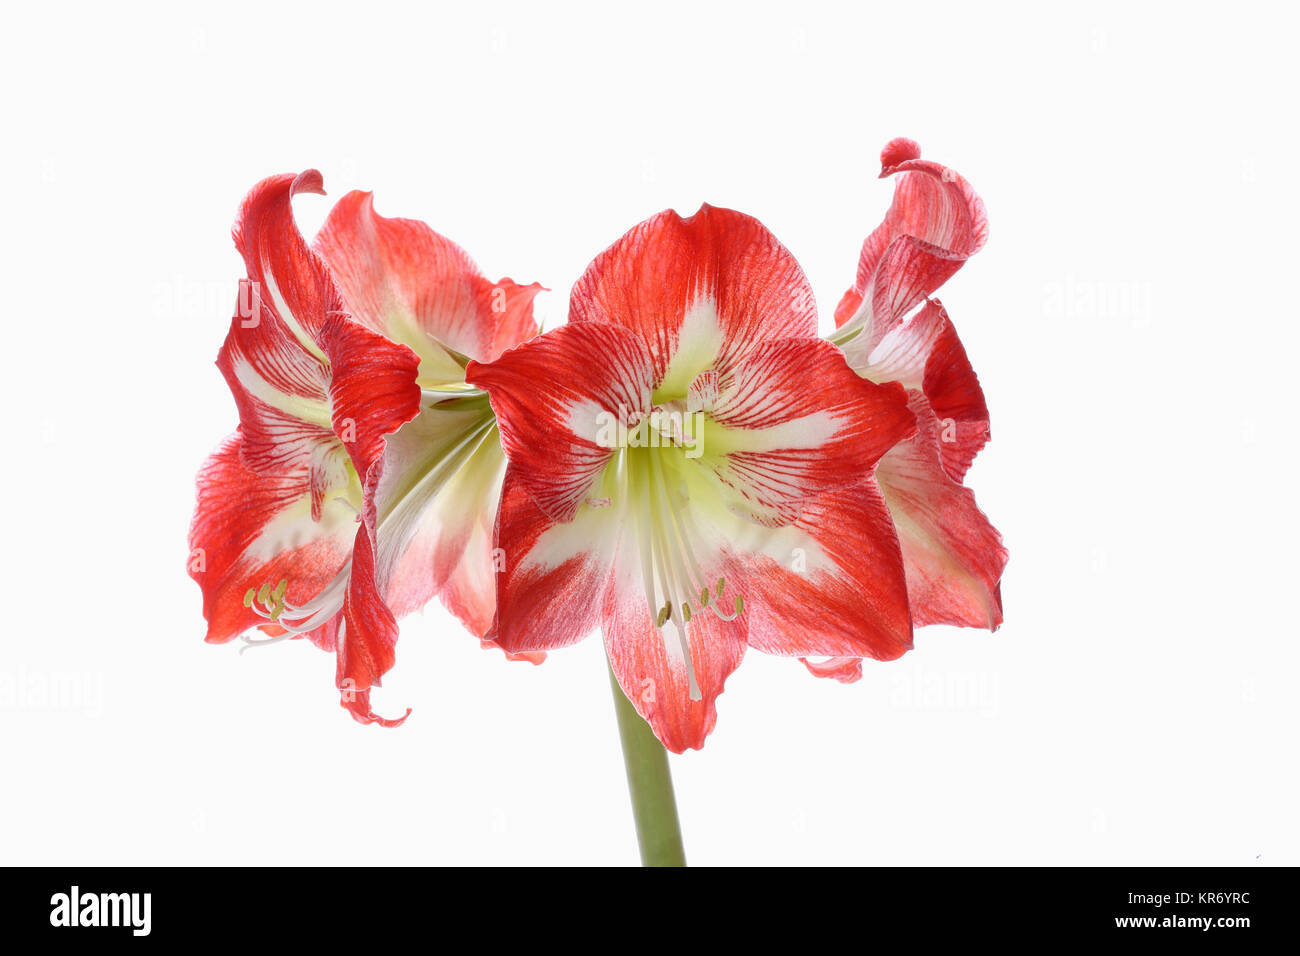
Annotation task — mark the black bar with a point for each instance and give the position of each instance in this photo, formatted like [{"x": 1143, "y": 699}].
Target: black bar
[{"x": 1175, "y": 906}]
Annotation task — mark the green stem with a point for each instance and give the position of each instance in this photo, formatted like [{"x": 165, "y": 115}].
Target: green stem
[{"x": 650, "y": 783}]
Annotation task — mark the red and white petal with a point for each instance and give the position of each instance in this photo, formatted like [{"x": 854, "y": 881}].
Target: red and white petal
[
  {"x": 511, "y": 305},
  {"x": 367, "y": 639},
  {"x": 830, "y": 585},
  {"x": 276, "y": 369},
  {"x": 901, "y": 354},
  {"x": 699, "y": 291},
  {"x": 281, "y": 392},
  {"x": 953, "y": 556},
  {"x": 286, "y": 275},
  {"x": 555, "y": 575},
  {"x": 924, "y": 355},
  {"x": 373, "y": 392},
  {"x": 935, "y": 223},
  {"x": 372, "y": 389},
  {"x": 357, "y": 703},
  {"x": 846, "y": 670},
  {"x": 953, "y": 390},
  {"x": 793, "y": 420},
  {"x": 251, "y": 529},
  {"x": 908, "y": 272},
  {"x": 420, "y": 289},
  {"x": 468, "y": 507},
  {"x": 436, "y": 503},
  {"x": 558, "y": 399},
  {"x": 652, "y": 669}
]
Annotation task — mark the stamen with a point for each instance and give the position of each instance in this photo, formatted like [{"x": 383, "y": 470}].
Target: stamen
[
  {"x": 261, "y": 641},
  {"x": 269, "y": 603},
  {"x": 674, "y": 582}
]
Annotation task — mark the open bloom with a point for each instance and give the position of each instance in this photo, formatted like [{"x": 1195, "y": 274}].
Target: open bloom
[
  {"x": 443, "y": 472},
  {"x": 318, "y": 517},
  {"x": 953, "y": 555},
  {"x": 690, "y": 468}
]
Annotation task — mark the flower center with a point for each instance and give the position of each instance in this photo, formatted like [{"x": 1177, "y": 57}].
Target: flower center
[{"x": 676, "y": 587}]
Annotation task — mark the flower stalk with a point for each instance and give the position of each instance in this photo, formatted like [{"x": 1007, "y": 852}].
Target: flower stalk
[{"x": 650, "y": 784}]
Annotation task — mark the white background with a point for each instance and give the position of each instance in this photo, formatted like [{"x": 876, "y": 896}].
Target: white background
[{"x": 1131, "y": 319}]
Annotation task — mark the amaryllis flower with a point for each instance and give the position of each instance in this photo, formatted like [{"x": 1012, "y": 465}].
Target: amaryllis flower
[
  {"x": 444, "y": 470},
  {"x": 690, "y": 468},
  {"x": 953, "y": 555},
  {"x": 314, "y": 518}
]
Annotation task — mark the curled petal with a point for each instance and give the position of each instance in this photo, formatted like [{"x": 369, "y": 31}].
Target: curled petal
[
  {"x": 846, "y": 670},
  {"x": 407, "y": 282},
  {"x": 924, "y": 354},
  {"x": 288, "y": 278},
  {"x": 357, "y": 703},
  {"x": 272, "y": 360},
  {"x": 372, "y": 389},
  {"x": 934, "y": 224},
  {"x": 527, "y": 657},
  {"x": 373, "y": 392},
  {"x": 367, "y": 639},
  {"x": 957, "y": 400}
]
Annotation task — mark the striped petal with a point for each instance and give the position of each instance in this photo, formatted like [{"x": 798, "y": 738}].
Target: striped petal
[
  {"x": 557, "y": 397},
  {"x": 651, "y": 667},
  {"x": 271, "y": 359},
  {"x": 289, "y": 279},
  {"x": 698, "y": 291},
  {"x": 373, "y": 393},
  {"x": 934, "y": 224},
  {"x": 924, "y": 354},
  {"x": 404, "y": 280},
  {"x": 791, "y": 421},
  {"x": 555, "y": 576},
  {"x": 436, "y": 502},
  {"x": 834, "y": 586},
  {"x": 252, "y": 530},
  {"x": 953, "y": 556}
]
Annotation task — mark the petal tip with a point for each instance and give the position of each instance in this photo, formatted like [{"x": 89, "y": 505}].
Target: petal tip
[
  {"x": 898, "y": 150},
  {"x": 529, "y": 657},
  {"x": 308, "y": 181},
  {"x": 357, "y": 703}
]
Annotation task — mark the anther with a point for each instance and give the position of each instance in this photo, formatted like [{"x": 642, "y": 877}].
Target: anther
[{"x": 664, "y": 612}]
